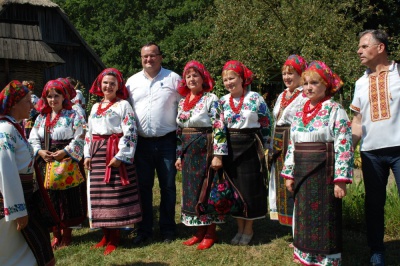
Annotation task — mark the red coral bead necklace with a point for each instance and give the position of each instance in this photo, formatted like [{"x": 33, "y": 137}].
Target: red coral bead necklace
[
  {"x": 189, "y": 104},
  {"x": 236, "y": 109}
]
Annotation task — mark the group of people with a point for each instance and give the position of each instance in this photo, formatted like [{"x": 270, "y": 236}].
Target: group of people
[{"x": 157, "y": 122}]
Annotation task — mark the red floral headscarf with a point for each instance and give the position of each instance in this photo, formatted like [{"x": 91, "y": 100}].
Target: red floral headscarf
[
  {"x": 297, "y": 62},
  {"x": 122, "y": 91},
  {"x": 241, "y": 70},
  {"x": 334, "y": 83},
  {"x": 12, "y": 94},
  {"x": 208, "y": 82},
  {"x": 71, "y": 93},
  {"x": 43, "y": 105}
]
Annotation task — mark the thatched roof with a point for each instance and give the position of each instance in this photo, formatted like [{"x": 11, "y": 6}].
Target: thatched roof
[
  {"x": 45, "y": 3},
  {"x": 24, "y": 42}
]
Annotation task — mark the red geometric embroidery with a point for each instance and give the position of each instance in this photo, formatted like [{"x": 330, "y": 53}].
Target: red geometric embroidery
[{"x": 379, "y": 96}]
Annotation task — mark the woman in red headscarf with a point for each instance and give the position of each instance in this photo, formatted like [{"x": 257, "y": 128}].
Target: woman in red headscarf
[
  {"x": 247, "y": 119},
  {"x": 280, "y": 200},
  {"x": 111, "y": 138},
  {"x": 318, "y": 164},
  {"x": 202, "y": 144},
  {"x": 24, "y": 240},
  {"x": 57, "y": 138}
]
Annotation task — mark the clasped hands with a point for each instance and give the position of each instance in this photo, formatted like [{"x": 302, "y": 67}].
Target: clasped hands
[{"x": 49, "y": 156}]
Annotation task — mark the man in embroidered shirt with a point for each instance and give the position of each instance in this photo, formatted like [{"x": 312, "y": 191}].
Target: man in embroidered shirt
[
  {"x": 155, "y": 100},
  {"x": 376, "y": 105}
]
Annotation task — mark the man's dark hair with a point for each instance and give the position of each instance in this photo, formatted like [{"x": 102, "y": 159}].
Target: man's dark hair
[
  {"x": 378, "y": 35},
  {"x": 153, "y": 43}
]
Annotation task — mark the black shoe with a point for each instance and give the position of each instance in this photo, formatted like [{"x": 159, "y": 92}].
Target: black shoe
[
  {"x": 168, "y": 239},
  {"x": 140, "y": 239}
]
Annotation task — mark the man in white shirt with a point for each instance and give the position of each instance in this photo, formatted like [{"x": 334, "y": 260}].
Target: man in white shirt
[
  {"x": 154, "y": 98},
  {"x": 376, "y": 105}
]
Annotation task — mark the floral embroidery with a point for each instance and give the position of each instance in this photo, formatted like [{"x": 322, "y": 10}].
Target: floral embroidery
[{"x": 16, "y": 208}]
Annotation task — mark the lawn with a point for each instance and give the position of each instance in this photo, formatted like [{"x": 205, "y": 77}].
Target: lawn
[{"x": 270, "y": 245}]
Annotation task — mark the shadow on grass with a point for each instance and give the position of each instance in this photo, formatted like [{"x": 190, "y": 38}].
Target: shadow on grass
[{"x": 139, "y": 263}]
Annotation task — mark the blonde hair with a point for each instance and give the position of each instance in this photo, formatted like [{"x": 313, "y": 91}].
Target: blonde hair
[
  {"x": 288, "y": 68},
  {"x": 228, "y": 71}
]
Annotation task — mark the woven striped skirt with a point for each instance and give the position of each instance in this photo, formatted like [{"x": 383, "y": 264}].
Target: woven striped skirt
[{"x": 111, "y": 204}]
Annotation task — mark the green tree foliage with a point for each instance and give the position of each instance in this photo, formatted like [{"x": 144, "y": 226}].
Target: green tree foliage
[{"x": 260, "y": 33}]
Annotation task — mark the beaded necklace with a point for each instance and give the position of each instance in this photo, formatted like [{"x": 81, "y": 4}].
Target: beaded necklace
[
  {"x": 101, "y": 111},
  {"x": 285, "y": 102},
  {"x": 308, "y": 113},
  {"x": 236, "y": 109},
  {"x": 189, "y": 104},
  {"x": 51, "y": 124}
]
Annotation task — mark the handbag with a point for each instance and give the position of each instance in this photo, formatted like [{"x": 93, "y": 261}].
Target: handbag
[
  {"x": 219, "y": 196},
  {"x": 61, "y": 175}
]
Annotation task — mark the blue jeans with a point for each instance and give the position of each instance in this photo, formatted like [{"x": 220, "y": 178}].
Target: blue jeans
[
  {"x": 375, "y": 167},
  {"x": 157, "y": 154}
]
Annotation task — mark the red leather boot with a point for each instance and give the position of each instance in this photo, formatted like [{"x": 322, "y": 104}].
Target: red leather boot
[
  {"x": 66, "y": 237},
  {"x": 201, "y": 231},
  {"x": 55, "y": 242},
  {"x": 209, "y": 239},
  {"x": 115, "y": 235},
  {"x": 103, "y": 242}
]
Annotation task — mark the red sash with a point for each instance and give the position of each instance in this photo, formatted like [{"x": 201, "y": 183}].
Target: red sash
[{"x": 112, "y": 150}]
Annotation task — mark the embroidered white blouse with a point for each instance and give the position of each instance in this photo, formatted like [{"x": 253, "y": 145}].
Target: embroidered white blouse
[
  {"x": 204, "y": 114},
  {"x": 69, "y": 126},
  {"x": 254, "y": 114},
  {"x": 331, "y": 124},
  {"x": 119, "y": 118},
  {"x": 16, "y": 157}
]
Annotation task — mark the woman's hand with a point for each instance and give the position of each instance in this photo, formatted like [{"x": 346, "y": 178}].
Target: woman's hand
[
  {"x": 114, "y": 162},
  {"x": 216, "y": 162},
  {"x": 290, "y": 185},
  {"x": 46, "y": 155},
  {"x": 22, "y": 222},
  {"x": 59, "y": 155},
  {"x": 88, "y": 163},
  {"x": 340, "y": 190},
  {"x": 178, "y": 164}
]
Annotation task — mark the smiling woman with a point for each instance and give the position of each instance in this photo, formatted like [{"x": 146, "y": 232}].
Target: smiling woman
[
  {"x": 109, "y": 150},
  {"x": 318, "y": 164}
]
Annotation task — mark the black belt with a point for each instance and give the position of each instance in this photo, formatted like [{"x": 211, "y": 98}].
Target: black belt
[{"x": 159, "y": 138}]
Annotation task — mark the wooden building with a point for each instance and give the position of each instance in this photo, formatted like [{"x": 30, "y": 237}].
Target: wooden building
[{"x": 38, "y": 42}]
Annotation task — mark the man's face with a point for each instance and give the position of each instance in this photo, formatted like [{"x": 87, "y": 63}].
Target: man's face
[
  {"x": 151, "y": 58},
  {"x": 368, "y": 49}
]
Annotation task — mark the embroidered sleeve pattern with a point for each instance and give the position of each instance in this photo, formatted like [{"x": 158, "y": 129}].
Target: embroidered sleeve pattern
[
  {"x": 220, "y": 145},
  {"x": 127, "y": 143},
  {"x": 344, "y": 155},
  {"x": 75, "y": 148}
]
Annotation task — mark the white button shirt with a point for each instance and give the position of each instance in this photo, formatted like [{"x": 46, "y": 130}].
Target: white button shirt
[{"x": 155, "y": 102}]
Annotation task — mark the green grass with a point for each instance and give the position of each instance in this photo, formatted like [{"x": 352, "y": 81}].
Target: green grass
[{"x": 269, "y": 245}]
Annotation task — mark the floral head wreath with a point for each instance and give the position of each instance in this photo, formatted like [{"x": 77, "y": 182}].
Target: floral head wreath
[
  {"x": 208, "y": 82},
  {"x": 241, "y": 70},
  {"x": 297, "y": 62},
  {"x": 334, "y": 83},
  {"x": 122, "y": 91},
  {"x": 43, "y": 105},
  {"x": 10, "y": 95}
]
